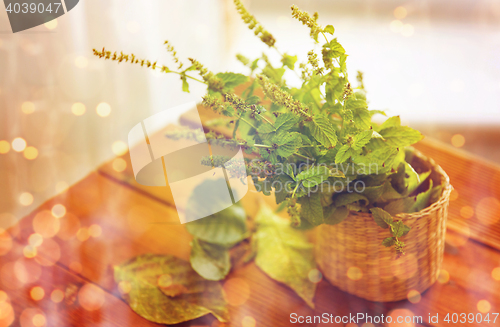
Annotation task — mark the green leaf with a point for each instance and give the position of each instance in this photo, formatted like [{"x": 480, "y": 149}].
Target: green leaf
[
  {"x": 343, "y": 199},
  {"x": 284, "y": 253},
  {"x": 289, "y": 61},
  {"x": 393, "y": 121},
  {"x": 313, "y": 176},
  {"x": 344, "y": 153},
  {"x": 210, "y": 261},
  {"x": 361, "y": 139},
  {"x": 422, "y": 199},
  {"x": 401, "y": 136},
  {"x": 286, "y": 121},
  {"x": 311, "y": 209},
  {"x": 414, "y": 180},
  {"x": 231, "y": 80},
  {"x": 381, "y": 217},
  {"x": 337, "y": 216},
  {"x": 335, "y": 47},
  {"x": 400, "y": 205},
  {"x": 185, "y": 85},
  {"x": 322, "y": 130},
  {"x": 288, "y": 143},
  {"x": 436, "y": 194},
  {"x": 225, "y": 227},
  {"x": 398, "y": 228},
  {"x": 388, "y": 242},
  {"x": 190, "y": 296},
  {"x": 329, "y": 29},
  {"x": 373, "y": 193}
]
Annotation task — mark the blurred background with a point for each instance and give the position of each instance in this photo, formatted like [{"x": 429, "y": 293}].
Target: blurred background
[{"x": 63, "y": 112}]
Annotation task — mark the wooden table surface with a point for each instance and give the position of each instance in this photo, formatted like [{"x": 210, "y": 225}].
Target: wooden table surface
[{"x": 110, "y": 218}]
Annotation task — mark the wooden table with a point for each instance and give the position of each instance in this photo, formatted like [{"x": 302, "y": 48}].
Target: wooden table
[{"x": 110, "y": 218}]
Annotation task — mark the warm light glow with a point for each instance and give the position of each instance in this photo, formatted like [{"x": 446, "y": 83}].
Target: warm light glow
[
  {"x": 103, "y": 109},
  {"x": 458, "y": 140},
  {"x": 61, "y": 186},
  {"x": 119, "y": 148},
  {"x": 57, "y": 296},
  {"x": 236, "y": 291},
  {"x": 414, "y": 296},
  {"x": 95, "y": 230},
  {"x": 30, "y": 153},
  {"x": 444, "y": 277},
  {"x": 27, "y": 271},
  {"x": 133, "y": 27},
  {"x": 76, "y": 267},
  {"x": 28, "y": 107},
  {"x": 461, "y": 237},
  {"x": 4, "y": 147},
  {"x": 354, "y": 273},
  {"x": 37, "y": 293},
  {"x": 400, "y": 12},
  {"x": 91, "y": 297},
  {"x": 315, "y": 276},
  {"x": 396, "y": 26},
  {"x": 405, "y": 267},
  {"x": 81, "y": 62},
  {"x": 51, "y": 25},
  {"x": 70, "y": 224},
  {"x": 124, "y": 287},
  {"x": 78, "y": 108},
  {"x": 483, "y": 306},
  {"x": 29, "y": 251},
  {"x": 82, "y": 234},
  {"x": 6, "y": 314},
  {"x": 467, "y": 212},
  {"x": 367, "y": 324},
  {"x": 18, "y": 144},
  {"x": 119, "y": 165},
  {"x": 5, "y": 242},
  {"x": 488, "y": 210},
  {"x": 3, "y": 296},
  {"x": 48, "y": 253},
  {"x": 407, "y": 318},
  {"x": 453, "y": 195},
  {"x": 248, "y": 321},
  {"x": 26, "y": 199},
  {"x": 38, "y": 320},
  {"x": 496, "y": 274},
  {"x": 407, "y": 30},
  {"x": 35, "y": 240},
  {"x": 58, "y": 210},
  {"x": 46, "y": 224}
]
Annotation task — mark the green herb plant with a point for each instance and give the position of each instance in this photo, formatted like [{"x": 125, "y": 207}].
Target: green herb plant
[{"x": 317, "y": 142}]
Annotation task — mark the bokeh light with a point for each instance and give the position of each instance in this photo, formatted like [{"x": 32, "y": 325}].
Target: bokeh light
[
  {"x": 248, "y": 321},
  {"x": 26, "y": 199},
  {"x": 483, "y": 306},
  {"x": 58, "y": 210},
  {"x": 414, "y": 296},
  {"x": 8, "y": 277},
  {"x": 5, "y": 242},
  {"x": 91, "y": 297},
  {"x": 467, "y": 212},
  {"x": 236, "y": 291},
  {"x": 406, "y": 315},
  {"x": 496, "y": 273},
  {"x": 27, "y": 271},
  {"x": 443, "y": 277},
  {"x": 488, "y": 210},
  {"x": 396, "y": 26},
  {"x": 83, "y": 234},
  {"x": 78, "y": 108},
  {"x": 46, "y": 224},
  {"x": 4, "y": 147},
  {"x": 119, "y": 148},
  {"x": 76, "y": 267},
  {"x": 407, "y": 30},
  {"x": 6, "y": 314},
  {"x": 48, "y": 253},
  {"x": 400, "y": 12},
  {"x": 453, "y": 195},
  {"x": 51, "y": 25},
  {"x": 315, "y": 276},
  {"x": 119, "y": 165},
  {"x": 37, "y": 293},
  {"x": 57, "y": 296},
  {"x": 35, "y": 239},
  {"x": 354, "y": 273},
  {"x": 28, "y": 107},
  {"x": 30, "y": 153},
  {"x": 18, "y": 144},
  {"x": 367, "y": 324},
  {"x": 458, "y": 140},
  {"x": 32, "y": 317},
  {"x": 95, "y": 230},
  {"x": 38, "y": 320},
  {"x": 69, "y": 226},
  {"x": 103, "y": 109},
  {"x": 29, "y": 251}
]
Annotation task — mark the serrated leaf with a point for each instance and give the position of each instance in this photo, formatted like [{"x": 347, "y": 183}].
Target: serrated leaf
[
  {"x": 343, "y": 199},
  {"x": 336, "y": 216},
  {"x": 344, "y": 153},
  {"x": 289, "y": 61},
  {"x": 388, "y": 242},
  {"x": 398, "y": 228},
  {"x": 197, "y": 297},
  {"x": 373, "y": 193},
  {"x": 381, "y": 217},
  {"x": 329, "y": 29},
  {"x": 253, "y": 99},
  {"x": 335, "y": 47},
  {"x": 322, "y": 130},
  {"x": 284, "y": 253},
  {"x": 311, "y": 209},
  {"x": 225, "y": 227},
  {"x": 361, "y": 139},
  {"x": 210, "y": 261},
  {"x": 393, "y": 121},
  {"x": 400, "y": 205},
  {"x": 313, "y": 176},
  {"x": 286, "y": 121},
  {"x": 288, "y": 143},
  {"x": 231, "y": 80},
  {"x": 401, "y": 136}
]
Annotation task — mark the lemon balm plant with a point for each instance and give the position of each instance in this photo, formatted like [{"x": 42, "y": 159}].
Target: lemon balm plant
[{"x": 315, "y": 148}]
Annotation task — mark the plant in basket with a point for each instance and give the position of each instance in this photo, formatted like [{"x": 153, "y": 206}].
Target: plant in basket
[{"x": 377, "y": 204}]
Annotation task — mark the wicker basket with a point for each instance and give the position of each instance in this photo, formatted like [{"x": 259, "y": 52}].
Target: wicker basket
[{"x": 351, "y": 257}]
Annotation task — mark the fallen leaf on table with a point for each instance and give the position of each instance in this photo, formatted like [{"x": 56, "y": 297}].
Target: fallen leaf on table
[
  {"x": 284, "y": 253},
  {"x": 166, "y": 290}
]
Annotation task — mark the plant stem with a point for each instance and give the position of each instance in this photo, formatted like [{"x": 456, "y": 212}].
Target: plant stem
[
  {"x": 249, "y": 123},
  {"x": 305, "y": 157},
  {"x": 193, "y": 78}
]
